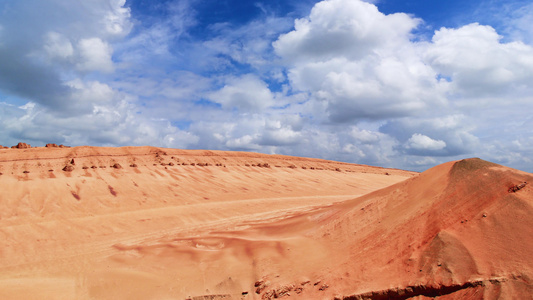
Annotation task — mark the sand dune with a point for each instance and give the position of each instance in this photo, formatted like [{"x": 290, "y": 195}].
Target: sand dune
[
  {"x": 138, "y": 222},
  {"x": 454, "y": 230},
  {"x": 150, "y": 223}
]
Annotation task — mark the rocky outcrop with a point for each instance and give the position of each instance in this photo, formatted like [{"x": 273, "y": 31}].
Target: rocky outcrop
[
  {"x": 516, "y": 188},
  {"x": 68, "y": 168},
  {"x": 56, "y": 146},
  {"x": 21, "y": 146},
  {"x": 430, "y": 291}
]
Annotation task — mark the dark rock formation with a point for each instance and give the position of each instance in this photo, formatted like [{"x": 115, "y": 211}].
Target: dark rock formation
[
  {"x": 516, "y": 188},
  {"x": 21, "y": 146},
  {"x": 68, "y": 168}
]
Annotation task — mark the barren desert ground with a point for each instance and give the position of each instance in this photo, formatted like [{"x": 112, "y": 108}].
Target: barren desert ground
[{"x": 154, "y": 223}]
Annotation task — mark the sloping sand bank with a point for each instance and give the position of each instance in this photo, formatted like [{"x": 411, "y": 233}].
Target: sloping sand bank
[
  {"x": 456, "y": 231},
  {"x": 152, "y": 223}
]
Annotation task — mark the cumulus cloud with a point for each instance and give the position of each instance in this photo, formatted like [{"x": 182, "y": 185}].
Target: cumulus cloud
[
  {"x": 422, "y": 142},
  {"x": 280, "y": 135},
  {"x": 345, "y": 82},
  {"x": 112, "y": 124},
  {"x": 268, "y": 133},
  {"x": 429, "y": 96},
  {"x": 117, "y": 19},
  {"x": 478, "y": 63},
  {"x": 92, "y": 91},
  {"x": 246, "y": 142},
  {"x": 95, "y": 55},
  {"x": 246, "y": 93},
  {"x": 45, "y": 63},
  {"x": 360, "y": 63},
  {"x": 343, "y": 28},
  {"x": 39, "y": 55},
  {"x": 450, "y": 135},
  {"x": 57, "y": 46}
]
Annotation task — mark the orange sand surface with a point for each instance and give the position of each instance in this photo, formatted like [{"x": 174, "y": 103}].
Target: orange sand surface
[
  {"x": 138, "y": 222},
  {"x": 153, "y": 223}
]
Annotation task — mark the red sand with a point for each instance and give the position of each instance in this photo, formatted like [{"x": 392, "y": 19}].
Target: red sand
[{"x": 144, "y": 223}]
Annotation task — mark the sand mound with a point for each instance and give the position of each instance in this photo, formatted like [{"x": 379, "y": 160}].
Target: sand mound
[
  {"x": 453, "y": 231},
  {"x": 142, "y": 222},
  {"x": 151, "y": 223}
]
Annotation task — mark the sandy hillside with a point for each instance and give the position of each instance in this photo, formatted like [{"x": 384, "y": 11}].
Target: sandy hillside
[
  {"x": 456, "y": 231},
  {"x": 152, "y": 223}
]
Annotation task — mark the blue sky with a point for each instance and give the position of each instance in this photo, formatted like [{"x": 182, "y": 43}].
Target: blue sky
[{"x": 403, "y": 84}]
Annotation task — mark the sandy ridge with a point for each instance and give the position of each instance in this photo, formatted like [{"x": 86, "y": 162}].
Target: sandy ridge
[
  {"x": 153, "y": 223},
  {"x": 60, "y": 229}
]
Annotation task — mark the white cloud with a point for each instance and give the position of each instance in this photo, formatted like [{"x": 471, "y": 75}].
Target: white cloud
[
  {"x": 351, "y": 149},
  {"x": 422, "y": 142},
  {"x": 92, "y": 91},
  {"x": 346, "y": 83},
  {"x": 359, "y": 62},
  {"x": 365, "y": 136},
  {"x": 455, "y": 131},
  {"x": 57, "y": 46},
  {"x": 47, "y": 43},
  {"x": 344, "y": 28},
  {"x": 478, "y": 63},
  {"x": 246, "y": 142},
  {"x": 281, "y": 136},
  {"x": 95, "y": 55},
  {"x": 428, "y": 96},
  {"x": 246, "y": 93},
  {"x": 116, "y": 20}
]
